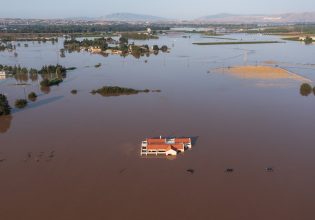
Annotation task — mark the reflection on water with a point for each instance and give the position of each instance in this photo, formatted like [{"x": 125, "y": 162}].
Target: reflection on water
[
  {"x": 5, "y": 123},
  {"x": 45, "y": 89},
  {"x": 39, "y": 103}
]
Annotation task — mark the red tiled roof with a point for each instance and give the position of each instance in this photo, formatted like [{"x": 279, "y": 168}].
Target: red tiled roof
[
  {"x": 165, "y": 147},
  {"x": 182, "y": 140},
  {"x": 156, "y": 141}
]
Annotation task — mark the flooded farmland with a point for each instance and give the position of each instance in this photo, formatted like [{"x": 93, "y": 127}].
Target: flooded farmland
[{"x": 73, "y": 156}]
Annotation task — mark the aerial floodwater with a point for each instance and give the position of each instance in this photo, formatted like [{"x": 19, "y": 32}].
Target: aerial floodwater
[{"x": 72, "y": 154}]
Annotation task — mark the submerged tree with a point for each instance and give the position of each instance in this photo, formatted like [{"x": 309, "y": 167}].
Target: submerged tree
[
  {"x": 74, "y": 91},
  {"x": 164, "y": 48},
  {"x": 156, "y": 48},
  {"x": 32, "y": 96},
  {"x": 20, "y": 103},
  {"x": 5, "y": 108},
  {"x": 123, "y": 40},
  {"x": 305, "y": 89}
]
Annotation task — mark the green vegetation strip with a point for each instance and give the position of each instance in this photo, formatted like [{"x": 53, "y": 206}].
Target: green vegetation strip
[
  {"x": 220, "y": 38},
  {"x": 48, "y": 83},
  {"x": 239, "y": 42},
  {"x": 20, "y": 103},
  {"x": 5, "y": 108},
  {"x": 291, "y": 38},
  {"x": 117, "y": 91}
]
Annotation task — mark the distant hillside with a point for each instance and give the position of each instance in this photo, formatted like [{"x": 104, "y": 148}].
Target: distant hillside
[
  {"x": 131, "y": 17},
  {"x": 275, "y": 18}
]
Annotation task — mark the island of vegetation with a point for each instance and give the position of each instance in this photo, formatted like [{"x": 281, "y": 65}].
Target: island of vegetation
[
  {"x": 46, "y": 72},
  {"x": 5, "y": 108},
  {"x": 118, "y": 91},
  {"x": 107, "y": 46},
  {"x": 7, "y": 46},
  {"x": 305, "y": 39},
  {"x": 139, "y": 35},
  {"x": 52, "y": 82},
  {"x": 306, "y": 89}
]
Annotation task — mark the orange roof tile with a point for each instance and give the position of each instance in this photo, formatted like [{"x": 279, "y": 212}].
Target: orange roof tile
[
  {"x": 156, "y": 141},
  {"x": 182, "y": 140},
  {"x": 165, "y": 147}
]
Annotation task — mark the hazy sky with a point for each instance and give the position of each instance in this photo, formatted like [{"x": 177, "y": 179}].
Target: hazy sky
[{"x": 166, "y": 8}]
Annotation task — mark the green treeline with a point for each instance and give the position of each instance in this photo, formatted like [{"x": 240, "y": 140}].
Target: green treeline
[
  {"x": 75, "y": 45},
  {"x": 139, "y": 36},
  {"x": 5, "y": 108}
]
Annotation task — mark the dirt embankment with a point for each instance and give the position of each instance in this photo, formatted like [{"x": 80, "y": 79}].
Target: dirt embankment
[{"x": 261, "y": 72}]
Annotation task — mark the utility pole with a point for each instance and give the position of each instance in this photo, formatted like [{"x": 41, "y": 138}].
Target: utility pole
[{"x": 24, "y": 91}]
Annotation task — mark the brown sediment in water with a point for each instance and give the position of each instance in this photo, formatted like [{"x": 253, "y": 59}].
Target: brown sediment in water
[
  {"x": 5, "y": 123},
  {"x": 286, "y": 64},
  {"x": 261, "y": 72}
]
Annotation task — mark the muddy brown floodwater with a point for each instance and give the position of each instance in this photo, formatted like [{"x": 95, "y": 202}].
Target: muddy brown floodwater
[{"x": 78, "y": 156}]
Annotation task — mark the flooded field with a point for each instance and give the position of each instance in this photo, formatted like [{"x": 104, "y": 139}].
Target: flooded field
[{"x": 77, "y": 156}]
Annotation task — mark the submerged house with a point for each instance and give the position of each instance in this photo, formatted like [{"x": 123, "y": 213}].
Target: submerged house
[
  {"x": 3, "y": 74},
  {"x": 165, "y": 146}
]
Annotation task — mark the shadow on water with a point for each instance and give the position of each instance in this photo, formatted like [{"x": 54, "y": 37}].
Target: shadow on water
[
  {"x": 39, "y": 103},
  {"x": 194, "y": 140},
  {"x": 5, "y": 123}
]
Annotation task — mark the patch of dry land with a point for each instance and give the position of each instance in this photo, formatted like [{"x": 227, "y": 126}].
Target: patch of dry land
[{"x": 261, "y": 73}]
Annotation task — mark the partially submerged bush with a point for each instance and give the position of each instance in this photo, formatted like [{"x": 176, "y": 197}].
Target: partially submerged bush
[
  {"x": 71, "y": 68},
  {"x": 48, "y": 83},
  {"x": 5, "y": 108},
  {"x": 157, "y": 90},
  {"x": 117, "y": 91},
  {"x": 305, "y": 89},
  {"x": 164, "y": 48},
  {"x": 314, "y": 90},
  {"x": 20, "y": 103},
  {"x": 74, "y": 91},
  {"x": 98, "y": 65},
  {"x": 32, "y": 96}
]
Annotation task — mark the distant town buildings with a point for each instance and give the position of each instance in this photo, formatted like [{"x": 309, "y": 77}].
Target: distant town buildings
[
  {"x": 165, "y": 146},
  {"x": 303, "y": 38},
  {"x": 3, "y": 75}
]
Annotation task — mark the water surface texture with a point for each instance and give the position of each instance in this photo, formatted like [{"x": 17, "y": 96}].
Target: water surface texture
[{"x": 71, "y": 156}]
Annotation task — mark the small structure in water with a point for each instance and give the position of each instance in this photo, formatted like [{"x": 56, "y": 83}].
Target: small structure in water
[
  {"x": 165, "y": 146},
  {"x": 3, "y": 75}
]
